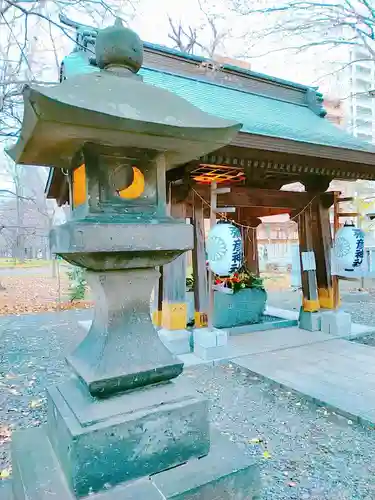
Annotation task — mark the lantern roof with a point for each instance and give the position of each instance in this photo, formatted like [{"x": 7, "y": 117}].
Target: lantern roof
[{"x": 116, "y": 108}]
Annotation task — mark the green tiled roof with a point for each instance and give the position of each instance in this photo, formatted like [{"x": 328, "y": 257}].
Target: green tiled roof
[
  {"x": 260, "y": 115},
  {"x": 201, "y": 59}
]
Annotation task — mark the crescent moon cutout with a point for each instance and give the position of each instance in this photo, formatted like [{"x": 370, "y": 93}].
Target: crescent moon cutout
[{"x": 136, "y": 188}]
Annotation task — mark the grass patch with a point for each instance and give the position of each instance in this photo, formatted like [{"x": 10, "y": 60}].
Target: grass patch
[{"x": 14, "y": 263}]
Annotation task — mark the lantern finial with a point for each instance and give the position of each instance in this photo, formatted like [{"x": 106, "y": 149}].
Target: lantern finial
[{"x": 119, "y": 46}]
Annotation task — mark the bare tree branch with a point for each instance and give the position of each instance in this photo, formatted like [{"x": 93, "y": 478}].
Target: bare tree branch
[
  {"x": 315, "y": 23},
  {"x": 205, "y": 37},
  {"x": 30, "y": 28}
]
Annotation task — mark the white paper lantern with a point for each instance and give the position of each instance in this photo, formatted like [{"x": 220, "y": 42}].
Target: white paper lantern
[
  {"x": 224, "y": 249},
  {"x": 349, "y": 247}
]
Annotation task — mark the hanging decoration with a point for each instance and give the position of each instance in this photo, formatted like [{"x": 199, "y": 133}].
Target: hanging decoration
[
  {"x": 224, "y": 249},
  {"x": 349, "y": 247}
]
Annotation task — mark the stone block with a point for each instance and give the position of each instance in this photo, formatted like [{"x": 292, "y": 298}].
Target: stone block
[
  {"x": 310, "y": 321},
  {"x": 210, "y": 337},
  {"x": 336, "y": 323},
  {"x": 177, "y": 341},
  {"x": 36, "y": 471},
  {"x": 210, "y": 353},
  {"x": 38, "y": 475},
  {"x": 226, "y": 473},
  {"x": 122, "y": 438},
  {"x": 210, "y": 343}
]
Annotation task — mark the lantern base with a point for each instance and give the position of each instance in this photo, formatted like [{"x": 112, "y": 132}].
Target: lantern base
[
  {"x": 225, "y": 473},
  {"x": 100, "y": 442}
]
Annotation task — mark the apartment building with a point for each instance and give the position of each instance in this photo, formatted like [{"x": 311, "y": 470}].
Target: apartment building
[{"x": 360, "y": 107}]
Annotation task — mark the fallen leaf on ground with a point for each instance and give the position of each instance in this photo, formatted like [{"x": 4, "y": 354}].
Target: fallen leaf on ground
[
  {"x": 14, "y": 392},
  {"x": 36, "y": 403},
  {"x": 256, "y": 441},
  {"x": 4, "y": 474},
  {"x": 5, "y": 434}
]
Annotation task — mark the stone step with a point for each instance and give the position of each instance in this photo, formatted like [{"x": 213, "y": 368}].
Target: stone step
[
  {"x": 226, "y": 473},
  {"x": 38, "y": 476},
  {"x": 36, "y": 471}
]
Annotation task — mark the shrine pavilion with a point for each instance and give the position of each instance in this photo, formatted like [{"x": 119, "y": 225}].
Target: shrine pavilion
[{"x": 285, "y": 138}]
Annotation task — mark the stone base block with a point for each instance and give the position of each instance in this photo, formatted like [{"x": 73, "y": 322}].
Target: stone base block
[
  {"x": 177, "y": 341},
  {"x": 310, "y": 321},
  {"x": 109, "y": 441},
  {"x": 210, "y": 343},
  {"x": 336, "y": 323},
  {"x": 226, "y": 474}
]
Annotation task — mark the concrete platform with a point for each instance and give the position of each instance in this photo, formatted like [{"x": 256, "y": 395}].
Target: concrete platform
[
  {"x": 336, "y": 373},
  {"x": 325, "y": 368}
]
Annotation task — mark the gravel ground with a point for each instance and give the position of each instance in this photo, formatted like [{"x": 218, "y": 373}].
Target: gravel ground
[{"x": 305, "y": 452}]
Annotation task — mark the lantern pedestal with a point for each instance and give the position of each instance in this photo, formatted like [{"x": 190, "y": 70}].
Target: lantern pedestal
[{"x": 122, "y": 325}]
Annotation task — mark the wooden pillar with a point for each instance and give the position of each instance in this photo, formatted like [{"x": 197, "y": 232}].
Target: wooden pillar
[
  {"x": 199, "y": 267},
  {"x": 310, "y": 300},
  {"x": 174, "y": 307},
  {"x": 158, "y": 300},
  {"x": 322, "y": 245},
  {"x": 249, "y": 237},
  {"x": 336, "y": 227},
  {"x": 251, "y": 250}
]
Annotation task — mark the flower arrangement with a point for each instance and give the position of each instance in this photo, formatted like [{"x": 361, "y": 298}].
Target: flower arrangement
[{"x": 243, "y": 278}]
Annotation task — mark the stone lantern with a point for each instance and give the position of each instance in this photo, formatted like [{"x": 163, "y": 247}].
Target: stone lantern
[{"x": 123, "y": 415}]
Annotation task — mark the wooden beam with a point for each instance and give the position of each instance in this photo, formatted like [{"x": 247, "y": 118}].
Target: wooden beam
[
  {"x": 250, "y": 211},
  {"x": 241, "y": 196},
  {"x": 235, "y": 155},
  {"x": 358, "y": 160}
]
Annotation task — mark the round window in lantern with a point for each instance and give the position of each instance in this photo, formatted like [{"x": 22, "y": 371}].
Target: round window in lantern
[
  {"x": 224, "y": 249},
  {"x": 136, "y": 188}
]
